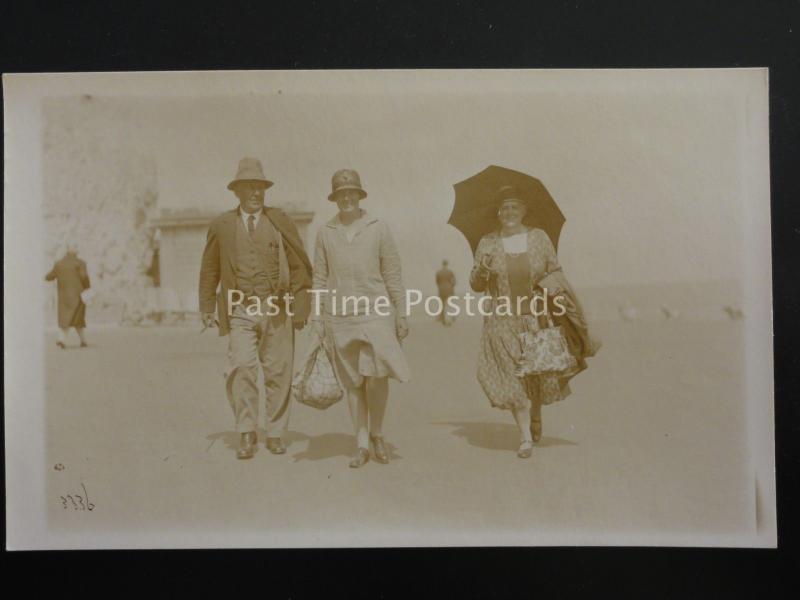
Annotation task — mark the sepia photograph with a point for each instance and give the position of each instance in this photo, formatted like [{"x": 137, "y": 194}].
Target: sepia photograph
[{"x": 388, "y": 308}]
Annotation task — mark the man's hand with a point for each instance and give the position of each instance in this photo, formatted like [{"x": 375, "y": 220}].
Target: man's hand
[
  {"x": 209, "y": 320},
  {"x": 298, "y": 325},
  {"x": 401, "y": 327}
]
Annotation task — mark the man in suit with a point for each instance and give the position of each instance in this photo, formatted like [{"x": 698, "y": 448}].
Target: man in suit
[
  {"x": 256, "y": 257},
  {"x": 72, "y": 279}
]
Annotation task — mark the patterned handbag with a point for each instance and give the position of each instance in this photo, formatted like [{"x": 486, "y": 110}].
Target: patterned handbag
[
  {"x": 316, "y": 384},
  {"x": 544, "y": 351}
]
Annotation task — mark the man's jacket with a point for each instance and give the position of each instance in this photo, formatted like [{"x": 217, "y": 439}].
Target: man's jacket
[{"x": 218, "y": 268}]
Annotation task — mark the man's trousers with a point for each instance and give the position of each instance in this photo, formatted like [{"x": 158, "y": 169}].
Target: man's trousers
[{"x": 268, "y": 341}]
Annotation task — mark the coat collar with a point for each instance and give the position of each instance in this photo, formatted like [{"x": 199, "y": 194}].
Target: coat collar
[{"x": 365, "y": 220}]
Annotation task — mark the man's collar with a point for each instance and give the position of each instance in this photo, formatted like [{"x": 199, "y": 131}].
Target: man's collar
[{"x": 244, "y": 215}]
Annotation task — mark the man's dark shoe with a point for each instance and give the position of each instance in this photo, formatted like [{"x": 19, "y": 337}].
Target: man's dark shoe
[
  {"x": 275, "y": 445},
  {"x": 247, "y": 445}
]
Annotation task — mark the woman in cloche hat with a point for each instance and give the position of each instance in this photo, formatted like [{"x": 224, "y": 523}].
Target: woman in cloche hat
[{"x": 355, "y": 256}]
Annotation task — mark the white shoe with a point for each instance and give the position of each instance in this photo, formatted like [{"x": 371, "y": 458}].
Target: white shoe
[{"x": 525, "y": 449}]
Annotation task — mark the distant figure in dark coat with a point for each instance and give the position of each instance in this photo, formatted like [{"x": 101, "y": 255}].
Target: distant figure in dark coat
[
  {"x": 446, "y": 283},
  {"x": 155, "y": 264},
  {"x": 155, "y": 269},
  {"x": 72, "y": 278}
]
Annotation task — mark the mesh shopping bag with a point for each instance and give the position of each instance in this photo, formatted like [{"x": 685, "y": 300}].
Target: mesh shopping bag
[{"x": 316, "y": 384}]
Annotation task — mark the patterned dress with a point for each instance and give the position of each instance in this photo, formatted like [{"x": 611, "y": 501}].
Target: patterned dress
[{"x": 500, "y": 346}]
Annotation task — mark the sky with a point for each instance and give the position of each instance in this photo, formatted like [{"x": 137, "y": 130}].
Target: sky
[{"x": 648, "y": 179}]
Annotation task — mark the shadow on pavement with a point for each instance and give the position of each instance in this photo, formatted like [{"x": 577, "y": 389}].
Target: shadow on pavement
[
  {"x": 231, "y": 438},
  {"x": 496, "y": 436},
  {"x": 331, "y": 445},
  {"x": 327, "y": 445},
  {"x": 68, "y": 347}
]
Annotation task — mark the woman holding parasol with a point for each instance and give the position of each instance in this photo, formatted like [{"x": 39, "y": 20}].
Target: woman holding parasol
[{"x": 516, "y": 265}]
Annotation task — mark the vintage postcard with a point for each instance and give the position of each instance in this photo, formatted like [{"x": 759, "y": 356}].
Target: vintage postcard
[{"x": 388, "y": 308}]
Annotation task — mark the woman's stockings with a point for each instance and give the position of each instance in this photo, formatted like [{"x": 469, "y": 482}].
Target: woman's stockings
[
  {"x": 523, "y": 418},
  {"x": 377, "y": 395},
  {"x": 356, "y": 400},
  {"x": 367, "y": 403}
]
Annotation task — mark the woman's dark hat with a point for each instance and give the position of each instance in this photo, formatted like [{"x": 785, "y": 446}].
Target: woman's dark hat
[
  {"x": 508, "y": 192},
  {"x": 346, "y": 179}
]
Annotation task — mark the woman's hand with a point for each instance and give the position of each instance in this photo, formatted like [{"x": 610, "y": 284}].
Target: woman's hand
[
  {"x": 486, "y": 266},
  {"x": 401, "y": 328}
]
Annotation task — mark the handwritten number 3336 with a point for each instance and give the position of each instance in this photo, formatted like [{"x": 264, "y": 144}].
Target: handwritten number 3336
[{"x": 82, "y": 502}]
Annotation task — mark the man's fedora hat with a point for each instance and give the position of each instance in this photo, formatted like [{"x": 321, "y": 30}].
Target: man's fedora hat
[
  {"x": 250, "y": 170},
  {"x": 346, "y": 179}
]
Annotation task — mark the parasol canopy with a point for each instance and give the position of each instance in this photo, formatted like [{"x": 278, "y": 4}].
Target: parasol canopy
[{"x": 475, "y": 209}]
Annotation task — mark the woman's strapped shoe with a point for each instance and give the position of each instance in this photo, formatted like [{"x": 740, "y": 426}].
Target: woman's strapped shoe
[
  {"x": 525, "y": 450},
  {"x": 379, "y": 448},
  {"x": 361, "y": 458}
]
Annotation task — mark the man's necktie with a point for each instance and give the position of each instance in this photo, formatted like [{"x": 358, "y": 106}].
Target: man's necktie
[{"x": 251, "y": 225}]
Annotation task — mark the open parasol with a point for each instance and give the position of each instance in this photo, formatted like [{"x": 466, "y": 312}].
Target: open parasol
[{"x": 475, "y": 209}]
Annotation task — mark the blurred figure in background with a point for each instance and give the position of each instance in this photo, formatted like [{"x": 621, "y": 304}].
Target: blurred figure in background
[
  {"x": 72, "y": 279},
  {"x": 445, "y": 283}
]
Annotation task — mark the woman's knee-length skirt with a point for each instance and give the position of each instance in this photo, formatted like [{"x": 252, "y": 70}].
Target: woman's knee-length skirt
[{"x": 366, "y": 347}]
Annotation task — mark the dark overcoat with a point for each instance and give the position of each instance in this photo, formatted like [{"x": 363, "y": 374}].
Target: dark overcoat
[
  {"x": 445, "y": 282},
  {"x": 72, "y": 278}
]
